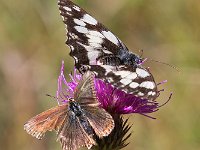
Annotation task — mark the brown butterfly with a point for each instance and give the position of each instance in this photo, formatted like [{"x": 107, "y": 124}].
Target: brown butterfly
[{"x": 77, "y": 121}]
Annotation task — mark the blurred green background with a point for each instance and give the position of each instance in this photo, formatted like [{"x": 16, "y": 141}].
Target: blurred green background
[{"x": 32, "y": 45}]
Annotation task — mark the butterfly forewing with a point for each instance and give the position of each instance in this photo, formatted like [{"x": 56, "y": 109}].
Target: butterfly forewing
[
  {"x": 85, "y": 91},
  {"x": 49, "y": 120},
  {"x": 87, "y": 38}
]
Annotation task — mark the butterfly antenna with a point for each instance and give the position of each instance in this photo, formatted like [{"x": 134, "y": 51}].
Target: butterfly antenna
[
  {"x": 174, "y": 67},
  {"x": 162, "y": 82},
  {"x": 51, "y": 96},
  {"x": 170, "y": 96},
  {"x": 141, "y": 51},
  {"x": 143, "y": 60},
  {"x": 148, "y": 116}
]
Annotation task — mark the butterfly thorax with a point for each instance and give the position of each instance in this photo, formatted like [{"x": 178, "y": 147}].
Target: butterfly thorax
[
  {"x": 75, "y": 108},
  {"x": 127, "y": 58},
  {"x": 130, "y": 59}
]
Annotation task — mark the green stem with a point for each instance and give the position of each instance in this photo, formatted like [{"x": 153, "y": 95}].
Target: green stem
[{"x": 117, "y": 138}]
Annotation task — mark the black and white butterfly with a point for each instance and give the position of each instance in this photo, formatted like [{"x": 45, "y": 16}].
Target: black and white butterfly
[
  {"x": 75, "y": 121},
  {"x": 97, "y": 49}
]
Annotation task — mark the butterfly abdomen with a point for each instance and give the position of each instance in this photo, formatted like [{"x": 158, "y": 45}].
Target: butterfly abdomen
[
  {"x": 79, "y": 113},
  {"x": 109, "y": 60},
  {"x": 86, "y": 126}
]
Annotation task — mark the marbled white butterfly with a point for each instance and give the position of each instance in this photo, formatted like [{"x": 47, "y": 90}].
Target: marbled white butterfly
[{"x": 97, "y": 49}]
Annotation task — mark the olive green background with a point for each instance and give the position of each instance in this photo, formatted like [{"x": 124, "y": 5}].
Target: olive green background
[{"x": 32, "y": 46}]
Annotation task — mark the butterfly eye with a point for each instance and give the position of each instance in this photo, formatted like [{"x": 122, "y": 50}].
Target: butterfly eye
[
  {"x": 138, "y": 60},
  {"x": 134, "y": 59}
]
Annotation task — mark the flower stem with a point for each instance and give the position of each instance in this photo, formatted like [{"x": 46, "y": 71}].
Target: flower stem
[{"x": 117, "y": 138}]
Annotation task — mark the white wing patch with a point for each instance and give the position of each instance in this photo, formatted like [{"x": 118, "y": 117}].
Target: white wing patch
[
  {"x": 71, "y": 47},
  {"x": 92, "y": 54},
  {"x": 110, "y": 37},
  {"x": 95, "y": 45},
  {"x": 79, "y": 22},
  {"x": 94, "y": 40},
  {"x": 142, "y": 73},
  {"x": 107, "y": 52},
  {"x": 131, "y": 76},
  {"x": 81, "y": 29},
  {"x": 67, "y": 8},
  {"x": 89, "y": 19},
  {"x": 127, "y": 78},
  {"x": 148, "y": 85},
  {"x": 151, "y": 93},
  {"x": 122, "y": 73},
  {"x": 108, "y": 68},
  {"x": 134, "y": 85},
  {"x": 95, "y": 33},
  {"x": 76, "y": 59},
  {"x": 125, "y": 81},
  {"x": 76, "y": 8},
  {"x": 74, "y": 36},
  {"x": 140, "y": 94}
]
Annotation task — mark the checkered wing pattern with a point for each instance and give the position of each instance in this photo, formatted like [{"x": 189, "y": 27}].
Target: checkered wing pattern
[{"x": 97, "y": 49}]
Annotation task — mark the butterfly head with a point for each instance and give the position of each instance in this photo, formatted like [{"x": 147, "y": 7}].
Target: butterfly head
[{"x": 132, "y": 59}]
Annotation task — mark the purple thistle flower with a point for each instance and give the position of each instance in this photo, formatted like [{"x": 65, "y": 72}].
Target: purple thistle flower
[
  {"x": 111, "y": 99},
  {"x": 114, "y": 101},
  {"x": 66, "y": 89},
  {"x": 117, "y": 101}
]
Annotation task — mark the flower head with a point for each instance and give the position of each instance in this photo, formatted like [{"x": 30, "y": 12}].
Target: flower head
[
  {"x": 117, "y": 101},
  {"x": 66, "y": 89},
  {"x": 111, "y": 99}
]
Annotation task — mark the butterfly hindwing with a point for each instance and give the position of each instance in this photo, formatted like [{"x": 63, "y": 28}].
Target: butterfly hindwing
[
  {"x": 72, "y": 134},
  {"x": 101, "y": 121},
  {"x": 138, "y": 80},
  {"x": 49, "y": 120}
]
